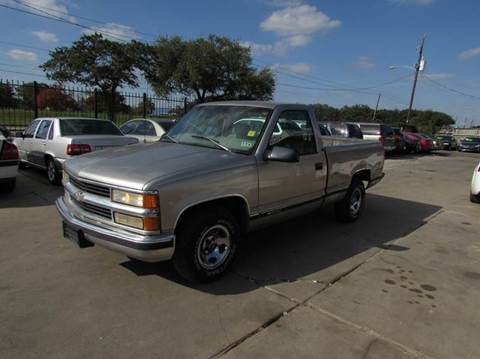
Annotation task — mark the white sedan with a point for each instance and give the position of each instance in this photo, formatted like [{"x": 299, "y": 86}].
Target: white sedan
[
  {"x": 475, "y": 190},
  {"x": 8, "y": 164},
  {"x": 146, "y": 129}
]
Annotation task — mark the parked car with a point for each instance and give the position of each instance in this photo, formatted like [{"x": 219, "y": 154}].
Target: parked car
[
  {"x": 344, "y": 129},
  {"x": 48, "y": 142},
  {"x": 146, "y": 129},
  {"x": 475, "y": 188},
  {"x": 430, "y": 142},
  {"x": 8, "y": 164},
  {"x": 401, "y": 145},
  {"x": 411, "y": 141},
  {"x": 469, "y": 144},
  {"x": 379, "y": 132},
  {"x": 422, "y": 145},
  {"x": 215, "y": 176},
  {"x": 447, "y": 142},
  {"x": 324, "y": 131}
]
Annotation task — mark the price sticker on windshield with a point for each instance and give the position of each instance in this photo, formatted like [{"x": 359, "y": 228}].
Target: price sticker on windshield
[{"x": 251, "y": 133}]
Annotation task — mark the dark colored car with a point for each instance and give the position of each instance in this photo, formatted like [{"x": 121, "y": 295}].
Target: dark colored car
[
  {"x": 420, "y": 143},
  {"x": 469, "y": 144},
  {"x": 379, "y": 132},
  {"x": 344, "y": 129},
  {"x": 447, "y": 142}
]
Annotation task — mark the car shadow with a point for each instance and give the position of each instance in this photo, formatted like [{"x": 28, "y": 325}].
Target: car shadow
[
  {"x": 304, "y": 246},
  {"x": 32, "y": 190}
]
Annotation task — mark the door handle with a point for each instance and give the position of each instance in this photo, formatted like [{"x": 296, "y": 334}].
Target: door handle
[{"x": 319, "y": 166}]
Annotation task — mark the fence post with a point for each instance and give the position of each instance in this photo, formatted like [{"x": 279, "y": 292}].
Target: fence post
[
  {"x": 35, "y": 98},
  {"x": 95, "y": 102},
  {"x": 185, "y": 105},
  {"x": 144, "y": 105}
]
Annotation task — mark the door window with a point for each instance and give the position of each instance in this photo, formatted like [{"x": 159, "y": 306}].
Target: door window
[
  {"x": 145, "y": 128},
  {"x": 129, "y": 127},
  {"x": 30, "y": 131},
  {"x": 296, "y": 132},
  {"x": 43, "y": 129}
]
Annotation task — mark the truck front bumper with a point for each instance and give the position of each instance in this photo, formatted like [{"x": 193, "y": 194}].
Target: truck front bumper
[{"x": 155, "y": 248}]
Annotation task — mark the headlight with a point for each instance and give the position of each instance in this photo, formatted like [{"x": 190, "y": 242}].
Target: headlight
[
  {"x": 66, "y": 177},
  {"x": 135, "y": 199}
]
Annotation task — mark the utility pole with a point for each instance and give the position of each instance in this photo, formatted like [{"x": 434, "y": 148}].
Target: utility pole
[
  {"x": 376, "y": 107},
  {"x": 418, "y": 67}
]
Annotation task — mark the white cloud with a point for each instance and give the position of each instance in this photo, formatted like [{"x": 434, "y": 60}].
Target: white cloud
[
  {"x": 46, "y": 36},
  {"x": 298, "y": 68},
  {"x": 21, "y": 55},
  {"x": 440, "y": 76},
  {"x": 413, "y": 2},
  {"x": 469, "y": 54},
  {"x": 303, "y": 19},
  {"x": 114, "y": 31},
  {"x": 298, "y": 40},
  {"x": 364, "y": 62}
]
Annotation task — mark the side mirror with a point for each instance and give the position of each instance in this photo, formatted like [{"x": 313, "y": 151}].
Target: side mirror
[{"x": 282, "y": 154}]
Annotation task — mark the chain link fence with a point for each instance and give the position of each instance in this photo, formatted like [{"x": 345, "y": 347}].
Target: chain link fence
[{"x": 21, "y": 102}]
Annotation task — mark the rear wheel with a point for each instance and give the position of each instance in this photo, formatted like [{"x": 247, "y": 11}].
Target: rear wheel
[
  {"x": 53, "y": 174},
  {"x": 206, "y": 243},
  {"x": 351, "y": 206},
  {"x": 474, "y": 199}
]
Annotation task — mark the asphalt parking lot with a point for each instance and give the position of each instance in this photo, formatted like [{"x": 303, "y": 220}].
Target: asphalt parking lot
[{"x": 402, "y": 282}]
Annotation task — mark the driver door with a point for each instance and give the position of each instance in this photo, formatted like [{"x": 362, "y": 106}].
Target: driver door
[{"x": 286, "y": 184}]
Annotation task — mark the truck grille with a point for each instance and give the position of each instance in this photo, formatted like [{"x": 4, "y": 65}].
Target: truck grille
[
  {"x": 90, "y": 187},
  {"x": 92, "y": 208}
]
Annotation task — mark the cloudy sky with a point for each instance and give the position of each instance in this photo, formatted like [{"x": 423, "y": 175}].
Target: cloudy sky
[{"x": 330, "y": 51}]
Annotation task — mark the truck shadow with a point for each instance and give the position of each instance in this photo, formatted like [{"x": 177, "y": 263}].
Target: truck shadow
[{"x": 314, "y": 247}]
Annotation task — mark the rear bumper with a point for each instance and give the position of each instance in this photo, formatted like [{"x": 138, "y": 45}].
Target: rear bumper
[
  {"x": 8, "y": 169},
  {"x": 145, "y": 248}
]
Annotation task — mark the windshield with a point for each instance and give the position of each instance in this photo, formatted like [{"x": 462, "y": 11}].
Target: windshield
[
  {"x": 236, "y": 128},
  {"x": 445, "y": 138},
  {"x": 82, "y": 126},
  {"x": 472, "y": 139}
]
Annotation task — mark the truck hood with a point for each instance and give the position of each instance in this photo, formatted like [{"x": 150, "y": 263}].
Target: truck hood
[{"x": 138, "y": 165}]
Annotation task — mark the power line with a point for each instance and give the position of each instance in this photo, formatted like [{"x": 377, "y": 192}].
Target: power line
[
  {"x": 23, "y": 73},
  {"x": 100, "y": 22},
  {"x": 25, "y": 46},
  {"x": 59, "y": 19},
  {"x": 452, "y": 90}
]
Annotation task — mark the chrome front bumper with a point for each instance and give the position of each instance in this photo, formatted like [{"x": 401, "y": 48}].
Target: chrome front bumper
[{"x": 152, "y": 248}]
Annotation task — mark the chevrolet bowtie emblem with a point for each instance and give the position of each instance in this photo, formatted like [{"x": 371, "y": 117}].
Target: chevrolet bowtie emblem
[{"x": 79, "y": 196}]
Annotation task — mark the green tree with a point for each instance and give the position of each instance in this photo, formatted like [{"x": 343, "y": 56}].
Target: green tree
[
  {"x": 7, "y": 96},
  {"x": 94, "y": 61},
  {"x": 207, "y": 68}
]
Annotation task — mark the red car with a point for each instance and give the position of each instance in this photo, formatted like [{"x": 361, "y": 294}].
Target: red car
[{"x": 423, "y": 144}]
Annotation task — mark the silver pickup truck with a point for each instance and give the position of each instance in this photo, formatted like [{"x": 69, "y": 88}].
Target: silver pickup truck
[{"x": 225, "y": 169}]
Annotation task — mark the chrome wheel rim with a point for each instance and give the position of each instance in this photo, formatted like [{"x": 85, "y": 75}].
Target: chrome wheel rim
[
  {"x": 356, "y": 202},
  {"x": 51, "y": 171},
  {"x": 214, "y": 247}
]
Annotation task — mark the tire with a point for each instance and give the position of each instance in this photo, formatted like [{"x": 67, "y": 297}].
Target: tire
[
  {"x": 212, "y": 227},
  {"x": 474, "y": 199},
  {"x": 53, "y": 174},
  {"x": 346, "y": 210},
  {"x": 9, "y": 186}
]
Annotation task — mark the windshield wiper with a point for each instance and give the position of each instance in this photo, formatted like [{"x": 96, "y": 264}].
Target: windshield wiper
[
  {"x": 215, "y": 142},
  {"x": 168, "y": 137}
]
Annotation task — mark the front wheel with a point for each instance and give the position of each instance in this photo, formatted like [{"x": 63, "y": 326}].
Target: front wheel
[
  {"x": 206, "y": 243},
  {"x": 351, "y": 206},
  {"x": 53, "y": 174}
]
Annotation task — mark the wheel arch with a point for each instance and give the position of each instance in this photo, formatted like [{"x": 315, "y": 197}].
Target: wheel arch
[{"x": 236, "y": 204}]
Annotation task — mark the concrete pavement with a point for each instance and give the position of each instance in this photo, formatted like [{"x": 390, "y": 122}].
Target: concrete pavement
[{"x": 402, "y": 282}]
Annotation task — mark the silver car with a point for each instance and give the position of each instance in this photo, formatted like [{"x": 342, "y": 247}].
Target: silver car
[
  {"x": 147, "y": 129},
  {"x": 48, "y": 142},
  {"x": 379, "y": 132}
]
